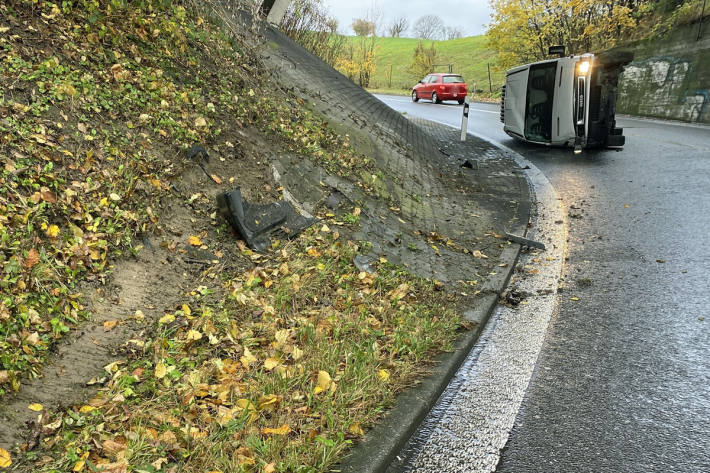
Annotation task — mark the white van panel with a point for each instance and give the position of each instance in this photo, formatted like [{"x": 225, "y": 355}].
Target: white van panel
[
  {"x": 563, "y": 107},
  {"x": 515, "y": 96}
]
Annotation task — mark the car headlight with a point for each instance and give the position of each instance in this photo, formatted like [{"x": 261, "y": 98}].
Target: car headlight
[{"x": 583, "y": 67}]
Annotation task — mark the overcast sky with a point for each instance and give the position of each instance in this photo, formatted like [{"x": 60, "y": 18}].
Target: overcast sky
[{"x": 470, "y": 16}]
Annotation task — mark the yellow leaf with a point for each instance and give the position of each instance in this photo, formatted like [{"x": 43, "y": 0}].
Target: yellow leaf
[
  {"x": 270, "y": 468},
  {"x": 86, "y": 409},
  {"x": 384, "y": 375},
  {"x": 186, "y": 309},
  {"x": 283, "y": 430},
  {"x": 324, "y": 381},
  {"x": 247, "y": 358},
  {"x": 574, "y": 298},
  {"x": 271, "y": 363},
  {"x": 194, "y": 241},
  {"x": 5, "y": 459},
  {"x": 167, "y": 319},
  {"x": 110, "y": 325},
  {"x": 78, "y": 466},
  {"x": 52, "y": 231},
  {"x": 296, "y": 354},
  {"x": 193, "y": 335},
  {"x": 35, "y": 407},
  {"x": 355, "y": 429},
  {"x": 160, "y": 370},
  {"x": 115, "y": 197}
]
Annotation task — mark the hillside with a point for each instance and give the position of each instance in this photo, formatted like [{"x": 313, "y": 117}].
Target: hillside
[{"x": 469, "y": 56}]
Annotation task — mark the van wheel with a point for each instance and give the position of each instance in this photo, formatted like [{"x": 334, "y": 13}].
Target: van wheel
[
  {"x": 461, "y": 101},
  {"x": 415, "y": 97},
  {"x": 435, "y": 98}
]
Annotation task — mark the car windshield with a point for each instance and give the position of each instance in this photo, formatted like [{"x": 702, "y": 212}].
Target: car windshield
[{"x": 453, "y": 80}]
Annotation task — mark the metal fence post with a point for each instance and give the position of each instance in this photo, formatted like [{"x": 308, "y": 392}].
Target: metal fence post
[{"x": 464, "y": 119}]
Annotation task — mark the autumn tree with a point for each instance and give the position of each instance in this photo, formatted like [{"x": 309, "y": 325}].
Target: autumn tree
[
  {"x": 363, "y": 27},
  {"x": 522, "y": 30},
  {"x": 429, "y": 27},
  {"x": 424, "y": 60},
  {"x": 397, "y": 27},
  {"x": 308, "y": 23}
]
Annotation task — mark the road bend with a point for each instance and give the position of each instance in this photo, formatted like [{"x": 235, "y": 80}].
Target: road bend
[{"x": 622, "y": 379}]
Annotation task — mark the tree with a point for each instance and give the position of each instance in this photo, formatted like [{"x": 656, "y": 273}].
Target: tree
[
  {"x": 424, "y": 60},
  {"x": 453, "y": 32},
  {"x": 308, "y": 23},
  {"x": 397, "y": 27},
  {"x": 429, "y": 27},
  {"x": 522, "y": 30},
  {"x": 363, "y": 27}
]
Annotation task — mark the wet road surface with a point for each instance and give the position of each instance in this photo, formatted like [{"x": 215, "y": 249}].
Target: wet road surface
[{"x": 622, "y": 383}]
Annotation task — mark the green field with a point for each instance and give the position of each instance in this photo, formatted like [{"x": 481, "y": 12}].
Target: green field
[{"x": 469, "y": 56}]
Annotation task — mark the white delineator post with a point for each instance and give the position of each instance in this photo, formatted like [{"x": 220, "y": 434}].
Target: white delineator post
[
  {"x": 277, "y": 11},
  {"x": 464, "y": 119}
]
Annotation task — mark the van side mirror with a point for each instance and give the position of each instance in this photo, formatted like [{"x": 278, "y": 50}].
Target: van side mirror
[{"x": 556, "y": 51}]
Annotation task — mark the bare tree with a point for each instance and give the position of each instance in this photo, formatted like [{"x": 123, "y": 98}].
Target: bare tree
[
  {"x": 363, "y": 27},
  {"x": 429, "y": 27},
  {"x": 453, "y": 32},
  {"x": 398, "y": 26},
  {"x": 308, "y": 22}
]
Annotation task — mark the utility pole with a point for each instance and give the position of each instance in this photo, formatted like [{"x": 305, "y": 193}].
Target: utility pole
[{"x": 700, "y": 24}]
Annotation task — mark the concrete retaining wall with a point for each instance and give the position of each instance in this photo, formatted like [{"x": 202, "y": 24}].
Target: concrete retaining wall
[{"x": 669, "y": 77}]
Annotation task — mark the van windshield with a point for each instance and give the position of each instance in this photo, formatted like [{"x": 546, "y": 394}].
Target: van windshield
[
  {"x": 538, "y": 110},
  {"x": 453, "y": 80}
]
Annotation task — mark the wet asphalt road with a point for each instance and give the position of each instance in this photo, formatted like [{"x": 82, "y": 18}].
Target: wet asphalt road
[{"x": 622, "y": 383}]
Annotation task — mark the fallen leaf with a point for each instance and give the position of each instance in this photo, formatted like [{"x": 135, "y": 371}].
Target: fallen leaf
[
  {"x": 35, "y": 407},
  {"x": 270, "y": 468},
  {"x": 271, "y": 363},
  {"x": 574, "y": 298},
  {"x": 324, "y": 381},
  {"x": 167, "y": 319},
  {"x": 283, "y": 430},
  {"x": 52, "y": 231},
  {"x": 384, "y": 375},
  {"x": 193, "y": 335},
  {"x": 296, "y": 354},
  {"x": 5, "y": 459},
  {"x": 110, "y": 325},
  {"x": 247, "y": 358},
  {"x": 355, "y": 429},
  {"x": 200, "y": 122},
  {"x": 49, "y": 196},
  {"x": 32, "y": 258},
  {"x": 160, "y": 370},
  {"x": 194, "y": 241},
  {"x": 216, "y": 178},
  {"x": 86, "y": 409}
]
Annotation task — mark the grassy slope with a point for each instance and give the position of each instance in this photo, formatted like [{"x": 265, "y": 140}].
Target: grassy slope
[
  {"x": 469, "y": 56},
  {"x": 291, "y": 360}
]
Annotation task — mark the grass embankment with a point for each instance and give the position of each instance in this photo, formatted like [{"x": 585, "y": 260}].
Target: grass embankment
[
  {"x": 98, "y": 101},
  {"x": 470, "y": 58}
]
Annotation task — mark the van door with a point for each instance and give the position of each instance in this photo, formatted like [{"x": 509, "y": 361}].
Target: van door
[
  {"x": 540, "y": 99},
  {"x": 514, "y": 103}
]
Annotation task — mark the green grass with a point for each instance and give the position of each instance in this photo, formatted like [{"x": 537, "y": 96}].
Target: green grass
[{"x": 470, "y": 58}]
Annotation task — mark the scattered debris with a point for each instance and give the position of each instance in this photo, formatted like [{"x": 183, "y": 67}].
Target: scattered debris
[
  {"x": 362, "y": 263},
  {"x": 255, "y": 222},
  {"x": 468, "y": 164},
  {"x": 525, "y": 241}
]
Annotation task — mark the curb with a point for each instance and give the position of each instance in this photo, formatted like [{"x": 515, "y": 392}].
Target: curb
[{"x": 382, "y": 443}]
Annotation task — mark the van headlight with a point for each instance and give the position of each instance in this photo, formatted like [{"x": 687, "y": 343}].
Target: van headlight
[{"x": 583, "y": 67}]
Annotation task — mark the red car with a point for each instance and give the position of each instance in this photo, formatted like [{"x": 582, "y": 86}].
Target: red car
[{"x": 440, "y": 86}]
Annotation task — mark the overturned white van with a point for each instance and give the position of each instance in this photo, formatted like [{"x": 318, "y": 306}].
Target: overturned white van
[{"x": 568, "y": 101}]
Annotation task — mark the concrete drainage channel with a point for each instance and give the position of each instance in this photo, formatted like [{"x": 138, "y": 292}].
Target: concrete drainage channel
[{"x": 469, "y": 423}]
